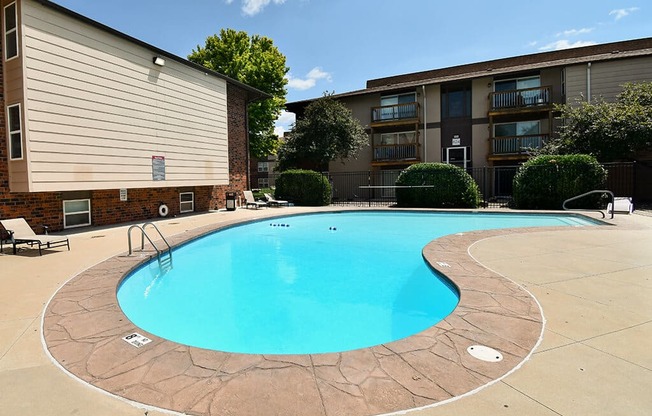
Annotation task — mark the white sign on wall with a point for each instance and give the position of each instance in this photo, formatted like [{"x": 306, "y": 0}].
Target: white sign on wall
[
  {"x": 123, "y": 194},
  {"x": 158, "y": 168},
  {"x": 456, "y": 140}
]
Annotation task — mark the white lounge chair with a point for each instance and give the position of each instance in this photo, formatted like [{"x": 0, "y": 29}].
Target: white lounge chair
[
  {"x": 21, "y": 233},
  {"x": 251, "y": 201},
  {"x": 275, "y": 202}
]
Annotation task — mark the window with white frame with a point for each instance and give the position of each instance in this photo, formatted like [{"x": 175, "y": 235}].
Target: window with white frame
[
  {"x": 186, "y": 202},
  {"x": 11, "y": 31},
  {"x": 76, "y": 213},
  {"x": 263, "y": 166},
  {"x": 15, "y": 132},
  {"x": 263, "y": 182}
]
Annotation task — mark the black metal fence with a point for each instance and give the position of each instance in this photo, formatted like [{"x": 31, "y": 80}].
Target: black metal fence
[{"x": 376, "y": 188}]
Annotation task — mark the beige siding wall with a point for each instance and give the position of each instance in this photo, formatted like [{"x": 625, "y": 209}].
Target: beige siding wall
[
  {"x": 98, "y": 109},
  {"x": 361, "y": 109},
  {"x": 14, "y": 94},
  {"x": 607, "y": 77}
]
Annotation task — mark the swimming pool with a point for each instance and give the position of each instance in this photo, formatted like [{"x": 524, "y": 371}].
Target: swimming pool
[{"x": 307, "y": 284}]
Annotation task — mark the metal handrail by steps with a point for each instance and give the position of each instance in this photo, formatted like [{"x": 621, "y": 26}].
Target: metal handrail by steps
[
  {"x": 163, "y": 262},
  {"x": 598, "y": 191}
]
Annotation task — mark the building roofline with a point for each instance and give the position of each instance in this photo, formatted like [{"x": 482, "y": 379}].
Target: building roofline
[
  {"x": 604, "y": 50},
  {"x": 523, "y": 63},
  {"x": 253, "y": 94}
]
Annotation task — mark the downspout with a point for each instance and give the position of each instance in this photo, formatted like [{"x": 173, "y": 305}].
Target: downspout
[
  {"x": 425, "y": 124},
  {"x": 588, "y": 82}
]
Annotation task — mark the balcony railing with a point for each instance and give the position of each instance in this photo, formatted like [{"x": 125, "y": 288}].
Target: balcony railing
[
  {"x": 525, "y": 98},
  {"x": 517, "y": 145},
  {"x": 398, "y": 112},
  {"x": 396, "y": 152}
]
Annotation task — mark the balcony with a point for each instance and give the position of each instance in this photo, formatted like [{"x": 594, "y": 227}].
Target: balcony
[
  {"x": 530, "y": 99},
  {"x": 395, "y": 114},
  {"x": 515, "y": 147},
  {"x": 389, "y": 154}
]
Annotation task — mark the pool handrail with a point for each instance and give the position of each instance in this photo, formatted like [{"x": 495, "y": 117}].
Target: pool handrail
[
  {"x": 597, "y": 191},
  {"x": 143, "y": 235}
]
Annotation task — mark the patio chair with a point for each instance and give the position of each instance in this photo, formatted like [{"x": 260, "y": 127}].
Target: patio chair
[
  {"x": 21, "y": 233},
  {"x": 251, "y": 201},
  {"x": 275, "y": 202}
]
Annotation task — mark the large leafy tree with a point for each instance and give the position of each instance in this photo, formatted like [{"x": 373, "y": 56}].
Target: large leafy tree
[
  {"x": 609, "y": 131},
  {"x": 254, "y": 61},
  {"x": 327, "y": 132}
]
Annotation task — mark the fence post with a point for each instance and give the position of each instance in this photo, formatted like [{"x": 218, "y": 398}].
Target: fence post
[{"x": 369, "y": 189}]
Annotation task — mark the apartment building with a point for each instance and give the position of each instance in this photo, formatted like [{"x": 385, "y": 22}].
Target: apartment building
[
  {"x": 101, "y": 128},
  {"x": 483, "y": 114}
]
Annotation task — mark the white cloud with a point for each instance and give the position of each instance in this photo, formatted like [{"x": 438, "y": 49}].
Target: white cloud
[
  {"x": 575, "y": 32},
  {"x": 309, "y": 81},
  {"x": 284, "y": 123},
  {"x": 252, "y": 7},
  {"x": 565, "y": 44},
  {"x": 620, "y": 13}
]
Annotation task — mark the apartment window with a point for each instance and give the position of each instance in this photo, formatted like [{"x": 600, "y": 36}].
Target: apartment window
[
  {"x": 396, "y": 107},
  {"x": 186, "y": 202},
  {"x": 521, "y": 128},
  {"x": 517, "y": 84},
  {"x": 406, "y": 137},
  {"x": 263, "y": 166},
  {"x": 455, "y": 102},
  {"x": 263, "y": 182},
  {"x": 11, "y": 32},
  {"x": 15, "y": 132},
  {"x": 76, "y": 213}
]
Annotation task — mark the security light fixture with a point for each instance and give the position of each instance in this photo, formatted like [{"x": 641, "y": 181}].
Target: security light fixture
[{"x": 159, "y": 61}]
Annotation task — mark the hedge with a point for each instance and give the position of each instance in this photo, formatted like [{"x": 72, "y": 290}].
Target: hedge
[
  {"x": 303, "y": 187},
  {"x": 446, "y": 186},
  {"x": 546, "y": 181}
]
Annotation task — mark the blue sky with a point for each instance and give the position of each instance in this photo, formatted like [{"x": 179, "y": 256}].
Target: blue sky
[{"x": 337, "y": 45}]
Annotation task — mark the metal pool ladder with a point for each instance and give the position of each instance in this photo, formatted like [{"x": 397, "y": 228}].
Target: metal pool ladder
[{"x": 164, "y": 256}]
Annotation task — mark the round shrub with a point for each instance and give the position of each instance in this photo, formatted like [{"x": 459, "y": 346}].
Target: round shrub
[
  {"x": 453, "y": 187},
  {"x": 546, "y": 181},
  {"x": 303, "y": 187}
]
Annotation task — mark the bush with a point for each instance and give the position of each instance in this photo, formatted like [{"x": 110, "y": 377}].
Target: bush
[
  {"x": 545, "y": 182},
  {"x": 453, "y": 187},
  {"x": 303, "y": 187}
]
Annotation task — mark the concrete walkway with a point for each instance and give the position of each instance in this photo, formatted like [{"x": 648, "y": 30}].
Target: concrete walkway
[{"x": 594, "y": 286}]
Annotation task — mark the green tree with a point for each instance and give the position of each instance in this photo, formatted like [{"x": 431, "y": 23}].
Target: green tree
[
  {"x": 254, "y": 61},
  {"x": 326, "y": 133},
  {"x": 609, "y": 131}
]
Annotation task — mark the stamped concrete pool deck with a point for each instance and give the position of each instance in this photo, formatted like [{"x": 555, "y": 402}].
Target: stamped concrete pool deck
[{"x": 594, "y": 285}]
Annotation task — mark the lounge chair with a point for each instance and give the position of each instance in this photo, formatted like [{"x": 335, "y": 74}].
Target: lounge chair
[
  {"x": 251, "y": 201},
  {"x": 275, "y": 202},
  {"x": 21, "y": 233}
]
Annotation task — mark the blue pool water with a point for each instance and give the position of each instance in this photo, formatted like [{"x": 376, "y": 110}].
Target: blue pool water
[{"x": 307, "y": 283}]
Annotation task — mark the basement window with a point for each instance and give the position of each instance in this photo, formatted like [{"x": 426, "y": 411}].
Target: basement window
[
  {"x": 186, "y": 202},
  {"x": 76, "y": 213}
]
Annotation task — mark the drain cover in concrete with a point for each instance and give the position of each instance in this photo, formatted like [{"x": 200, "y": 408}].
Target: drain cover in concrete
[{"x": 485, "y": 353}]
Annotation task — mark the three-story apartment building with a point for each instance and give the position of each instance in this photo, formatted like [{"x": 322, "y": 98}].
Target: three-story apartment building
[{"x": 484, "y": 114}]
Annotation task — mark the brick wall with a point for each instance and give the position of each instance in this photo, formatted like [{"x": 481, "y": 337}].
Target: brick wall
[
  {"x": 46, "y": 208},
  {"x": 238, "y": 147}
]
